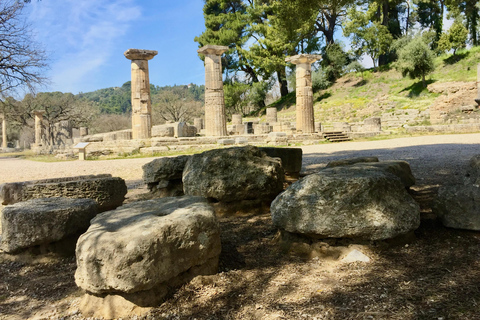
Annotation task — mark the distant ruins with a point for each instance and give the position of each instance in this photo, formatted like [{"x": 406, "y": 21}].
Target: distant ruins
[{"x": 213, "y": 129}]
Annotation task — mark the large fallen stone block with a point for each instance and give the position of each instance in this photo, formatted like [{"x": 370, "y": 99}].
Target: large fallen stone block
[
  {"x": 163, "y": 176},
  {"x": 43, "y": 221},
  {"x": 347, "y": 202},
  {"x": 109, "y": 192},
  {"x": 133, "y": 255},
  {"x": 458, "y": 206},
  {"x": 233, "y": 174},
  {"x": 397, "y": 167},
  {"x": 291, "y": 158}
]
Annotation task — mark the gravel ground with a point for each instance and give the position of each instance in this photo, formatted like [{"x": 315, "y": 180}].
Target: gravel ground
[{"x": 431, "y": 158}]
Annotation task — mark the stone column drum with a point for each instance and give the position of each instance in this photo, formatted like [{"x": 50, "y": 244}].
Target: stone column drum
[
  {"x": 83, "y": 131},
  {"x": 271, "y": 115},
  {"x": 38, "y": 126},
  {"x": 304, "y": 113},
  {"x": 141, "y": 103},
  {"x": 215, "y": 119},
  {"x": 478, "y": 85},
  {"x": 236, "y": 119}
]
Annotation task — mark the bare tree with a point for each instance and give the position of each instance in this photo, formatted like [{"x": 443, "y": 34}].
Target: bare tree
[
  {"x": 21, "y": 58},
  {"x": 174, "y": 105}
]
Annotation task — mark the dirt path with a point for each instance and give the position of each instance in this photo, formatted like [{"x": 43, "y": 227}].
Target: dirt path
[{"x": 431, "y": 158}]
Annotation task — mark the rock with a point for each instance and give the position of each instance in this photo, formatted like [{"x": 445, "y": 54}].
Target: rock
[
  {"x": 108, "y": 191},
  {"x": 141, "y": 250},
  {"x": 163, "y": 176},
  {"x": 233, "y": 174},
  {"x": 163, "y": 131},
  {"x": 226, "y": 141},
  {"x": 458, "y": 206},
  {"x": 347, "y": 162},
  {"x": 399, "y": 168},
  {"x": 43, "y": 221},
  {"x": 164, "y": 169},
  {"x": 355, "y": 256},
  {"x": 291, "y": 158},
  {"x": 347, "y": 202},
  {"x": 473, "y": 170}
]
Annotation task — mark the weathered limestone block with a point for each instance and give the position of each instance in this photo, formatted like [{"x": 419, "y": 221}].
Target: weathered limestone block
[
  {"x": 458, "y": 206},
  {"x": 134, "y": 255},
  {"x": 233, "y": 174},
  {"x": 163, "y": 176},
  {"x": 236, "y": 119},
  {"x": 163, "y": 131},
  {"x": 399, "y": 168},
  {"x": 372, "y": 124},
  {"x": 109, "y": 192},
  {"x": 262, "y": 128},
  {"x": 42, "y": 221},
  {"x": 347, "y": 202},
  {"x": 271, "y": 115},
  {"x": 473, "y": 170},
  {"x": 318, "y": 127},
  {"x": 291, "y": 158}
]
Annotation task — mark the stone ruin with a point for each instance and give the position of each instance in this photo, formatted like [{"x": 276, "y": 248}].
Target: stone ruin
[{"x": 358, "y": 200}]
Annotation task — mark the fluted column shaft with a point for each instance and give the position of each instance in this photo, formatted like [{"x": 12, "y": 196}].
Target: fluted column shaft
[
  {"x": 215, "y": 119},
  {"x": 304, "y": 109},
  {"x": 141, "y": 102}
]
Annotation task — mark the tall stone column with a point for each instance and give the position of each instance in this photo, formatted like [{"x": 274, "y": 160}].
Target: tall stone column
[
  {"x": 4, "y": 132},
  {"x": 215, "y": 119},
  {"x": 38, "y": 126},
  {"x": 141, "y": 103},
  {"x": 478, "y": 85},
  {"x": 304, "y": 112}
]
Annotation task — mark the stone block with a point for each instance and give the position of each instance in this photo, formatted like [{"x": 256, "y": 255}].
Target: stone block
[
  {"x": 39, "y": 222},
  {"x": 291, "y": 158},
  {"x": 163, "y": 131},
  {"x": 133, "y": 256},
  {"x": 226, "y": 141},
  {"x": 109, "y": 192}
]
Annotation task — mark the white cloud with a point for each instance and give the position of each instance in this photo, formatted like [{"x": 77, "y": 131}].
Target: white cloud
[{"x": 81, "y": 35}]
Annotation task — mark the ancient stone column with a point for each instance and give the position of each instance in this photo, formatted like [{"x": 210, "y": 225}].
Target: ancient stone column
[
  {"x": 478, "y": 85},
  {"x": 4, "y": 132},
  {"x": 236, "y": 119},
  {"x": 38, "y": 126},
  {"x": 141, "y": 103},
  {"x": 304, "y": 112},
  {"x": 271, "y": 115},
  {"x": 198, "y": 123},
  {"x": 215, "y": 119}
]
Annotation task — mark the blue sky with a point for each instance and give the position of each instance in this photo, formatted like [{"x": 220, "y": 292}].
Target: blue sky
[{"x": 85, "y": 40}]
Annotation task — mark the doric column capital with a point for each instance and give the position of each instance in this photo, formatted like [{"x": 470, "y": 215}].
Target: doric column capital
[
  {"x": 303, "y": 58},
  {"x": 140, "y": 54},
  {"x": 211, "y": 49}
]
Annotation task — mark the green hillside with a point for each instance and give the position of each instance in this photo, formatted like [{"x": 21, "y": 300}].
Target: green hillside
[{"x": 357, "y": 96}]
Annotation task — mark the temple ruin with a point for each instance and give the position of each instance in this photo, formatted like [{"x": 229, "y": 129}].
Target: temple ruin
[
  {"x": 141, "y": 103},
  {"x": 304, "y": 116},
  {"x": 215, "y": 119}
]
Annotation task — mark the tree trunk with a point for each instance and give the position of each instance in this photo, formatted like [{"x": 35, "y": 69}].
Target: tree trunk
[
  {"x": 423, "y": 80},
  {"x": 282, "y": 82}
]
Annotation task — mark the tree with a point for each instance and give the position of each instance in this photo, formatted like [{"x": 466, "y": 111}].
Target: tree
[
  {"x": 415, "y": 60},
  {"x": 243, "y": 97},
  {"x": 21, "y": 59},
  {"x": 469, "y": 10},
  {"x": 430, "y": 15},
  {"x": 371, "y": 38},
  {"x": 455, "y": 38},
  {"x": 175, "y": 105}
]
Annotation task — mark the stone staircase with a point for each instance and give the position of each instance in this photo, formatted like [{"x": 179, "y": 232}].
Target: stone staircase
[{"x": 336, "y": 136}]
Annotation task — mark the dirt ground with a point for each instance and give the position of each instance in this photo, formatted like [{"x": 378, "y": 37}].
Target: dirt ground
[{"x": 436, "y": 275}]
